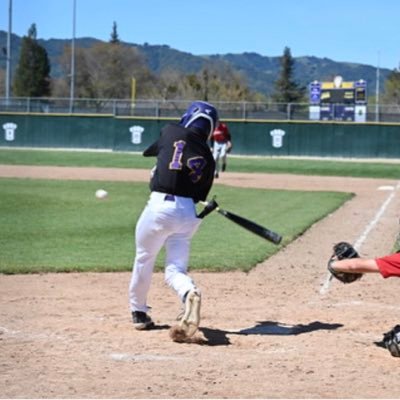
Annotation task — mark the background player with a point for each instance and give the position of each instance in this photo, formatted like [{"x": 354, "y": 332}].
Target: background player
[
  {"x": 183, "y": 175},
  {"x": 221, "y": 143}
]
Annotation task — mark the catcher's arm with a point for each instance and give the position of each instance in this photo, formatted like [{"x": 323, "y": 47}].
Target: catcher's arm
[{"x": 342, "y": 251}]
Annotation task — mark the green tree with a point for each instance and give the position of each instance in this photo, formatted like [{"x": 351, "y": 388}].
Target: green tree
[
  {"x": 286, "y": 89},
  {"x": 32, "y": 75},
  {"x": 391, "y": 93},
  {"x": 114, "y": 34}
]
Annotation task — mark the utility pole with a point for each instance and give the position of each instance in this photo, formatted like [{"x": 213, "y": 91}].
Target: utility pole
[
  {"x": 377, "y": 90},
  {"x": 72, "y": 87},
  {"x": 8, "y": 55}
]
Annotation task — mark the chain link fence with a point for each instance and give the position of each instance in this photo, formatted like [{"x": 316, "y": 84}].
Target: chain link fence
[{"x": 175, "y": 108}]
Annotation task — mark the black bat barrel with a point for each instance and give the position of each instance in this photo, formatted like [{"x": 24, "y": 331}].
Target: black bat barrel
[{"x": 252, "y": 227}]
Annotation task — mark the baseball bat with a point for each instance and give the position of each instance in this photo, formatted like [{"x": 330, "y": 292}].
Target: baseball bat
[
  {"x": 245, "y": 223},
  {"x": 251, "y": 226}
]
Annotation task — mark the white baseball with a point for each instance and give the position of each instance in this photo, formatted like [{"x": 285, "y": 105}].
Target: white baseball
[{"x": 101, "y": 194}]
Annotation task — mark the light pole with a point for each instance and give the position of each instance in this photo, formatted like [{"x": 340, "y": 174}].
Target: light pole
[
  {"x": 8, "y": 55},
  {"x": 377, "y": 91},
  {"x": 72, "y": 87}
]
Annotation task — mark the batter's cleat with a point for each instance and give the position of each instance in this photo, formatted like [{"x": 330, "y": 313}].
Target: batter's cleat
[
  {"x": 216, "y": 175},
  {"x": 141, "y": 321},
  {"x": 191, "y": 318},
  {"x": 223, "y": 167}
]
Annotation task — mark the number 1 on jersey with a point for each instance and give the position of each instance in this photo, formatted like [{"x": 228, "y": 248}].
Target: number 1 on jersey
[
  {"x": 176, "y": 162},
  {"x": 195, "y": 164}
]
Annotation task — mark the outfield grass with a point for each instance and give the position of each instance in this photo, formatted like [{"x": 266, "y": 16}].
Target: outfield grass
[
  {"x": 60, "y": 226},
  {"x": 51, "y": 225},
  {"x": 388, "y": 170}
]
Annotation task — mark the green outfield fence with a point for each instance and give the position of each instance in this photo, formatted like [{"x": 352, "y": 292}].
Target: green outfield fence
[{"x": 257, "y": 128}]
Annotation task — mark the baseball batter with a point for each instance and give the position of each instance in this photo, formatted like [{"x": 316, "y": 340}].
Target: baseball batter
[
  {"x": 183, "y": 176},
  {"x": 221, "y": 143}
]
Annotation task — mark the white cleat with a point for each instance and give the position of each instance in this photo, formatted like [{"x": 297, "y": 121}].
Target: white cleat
[{"x": 191, "y": 318}]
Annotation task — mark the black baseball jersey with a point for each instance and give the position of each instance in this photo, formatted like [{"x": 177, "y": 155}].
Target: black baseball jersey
[{"x": 185, "y": 165}]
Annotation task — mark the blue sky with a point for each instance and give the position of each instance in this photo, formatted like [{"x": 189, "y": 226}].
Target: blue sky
[{"x": 360, "y": 31}]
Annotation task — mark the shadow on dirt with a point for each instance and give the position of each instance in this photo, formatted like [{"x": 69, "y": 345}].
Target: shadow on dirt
[
  {"x": 277, "y": 328},
  {"x": 216, "y": 337}
]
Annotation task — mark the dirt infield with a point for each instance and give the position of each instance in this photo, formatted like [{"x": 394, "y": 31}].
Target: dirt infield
[{"x": 280, "y": 331}]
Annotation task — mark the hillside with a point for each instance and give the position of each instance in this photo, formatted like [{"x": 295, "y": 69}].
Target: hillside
[{"x": 260, "y": 71}]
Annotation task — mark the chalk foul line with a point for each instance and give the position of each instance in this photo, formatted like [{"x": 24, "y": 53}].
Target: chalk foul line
[{"x": 361, "y": 239}]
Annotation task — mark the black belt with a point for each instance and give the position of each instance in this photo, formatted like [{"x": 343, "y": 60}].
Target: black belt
[{"x": 169, "y": 197}]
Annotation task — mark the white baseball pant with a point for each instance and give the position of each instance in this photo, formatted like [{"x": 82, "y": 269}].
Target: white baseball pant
[
  {"x": 169, "y": 223},
  {"x": 219, "y": 152}
]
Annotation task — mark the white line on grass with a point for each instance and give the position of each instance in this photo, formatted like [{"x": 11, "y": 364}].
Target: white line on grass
[{"x": 364, "y": 235}]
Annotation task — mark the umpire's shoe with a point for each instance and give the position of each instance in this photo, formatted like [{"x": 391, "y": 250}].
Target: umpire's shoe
[
  {"x": 141, "y": 320},
  {"x": 191, "y": 317}
]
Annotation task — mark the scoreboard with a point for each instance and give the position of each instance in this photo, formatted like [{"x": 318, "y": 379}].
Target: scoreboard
[{"x": 338, "y": 100}]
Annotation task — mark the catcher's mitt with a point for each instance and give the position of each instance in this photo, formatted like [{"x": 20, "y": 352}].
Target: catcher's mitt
[
  {"x": 391, "y": 341},
  {"x": 343, "y": 250}
]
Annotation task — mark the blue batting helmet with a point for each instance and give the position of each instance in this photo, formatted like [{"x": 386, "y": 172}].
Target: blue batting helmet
[{"x": 201, "y": 115}]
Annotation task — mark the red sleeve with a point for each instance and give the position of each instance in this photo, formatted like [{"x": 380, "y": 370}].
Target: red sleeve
[{"x": 389, "y": 265}]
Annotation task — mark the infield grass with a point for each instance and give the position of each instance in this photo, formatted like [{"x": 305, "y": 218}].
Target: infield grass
[
  {"x": 362, "y": 169},
  {"x": 50, "y": 226}
]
